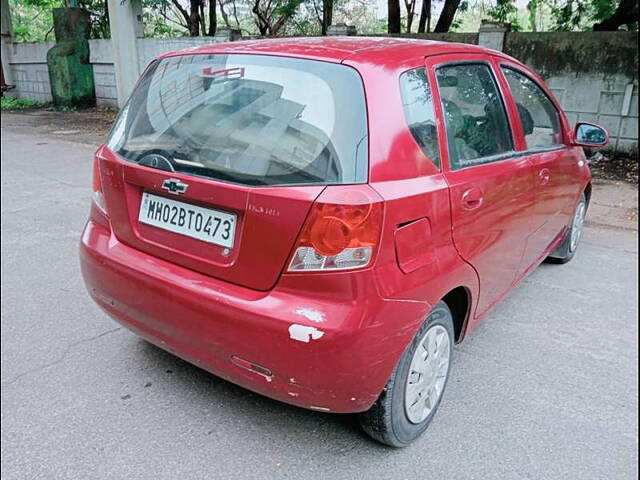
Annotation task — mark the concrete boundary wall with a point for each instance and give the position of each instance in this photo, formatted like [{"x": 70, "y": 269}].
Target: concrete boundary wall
[
  {"x": 29, "y": 71},
  {"x": 104, "y": 75},
  {"x": 31, "y": 77},
  {"x": 593, "y": 74},
  {"x": 148, "y": 48}
]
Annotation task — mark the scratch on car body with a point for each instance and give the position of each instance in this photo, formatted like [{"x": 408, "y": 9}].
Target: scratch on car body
[
  {"x": 311, "y": 314},
  {"x": 304, "y": 333}
]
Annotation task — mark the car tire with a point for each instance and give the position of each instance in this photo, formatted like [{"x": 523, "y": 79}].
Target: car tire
[
  {"x": 395, "y": 419},
  {"x": 567, "y": 249}
]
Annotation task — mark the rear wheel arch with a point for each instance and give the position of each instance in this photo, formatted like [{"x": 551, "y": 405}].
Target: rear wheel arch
[{"x": 459, "y": 302}]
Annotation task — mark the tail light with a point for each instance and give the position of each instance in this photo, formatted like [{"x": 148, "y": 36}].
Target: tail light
[
  {"x": 342, "y": 231},
  {"x": 96, "y": 186}
]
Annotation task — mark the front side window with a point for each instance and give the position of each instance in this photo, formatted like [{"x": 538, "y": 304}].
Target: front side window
[
  {"x": 249, "y": 119},
  {"x": 539, "y": 118},
  {"x": 418, "y": 110},
  {"x": 475, "y": 117}
]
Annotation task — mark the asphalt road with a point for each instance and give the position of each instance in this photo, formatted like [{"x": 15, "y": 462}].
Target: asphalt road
[{"x": 546, "y": 388}]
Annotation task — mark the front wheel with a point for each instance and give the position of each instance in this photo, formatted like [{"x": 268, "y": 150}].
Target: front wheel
[
  {"x": 569, "y": 245},
  {"x": 412, "y": 395}
]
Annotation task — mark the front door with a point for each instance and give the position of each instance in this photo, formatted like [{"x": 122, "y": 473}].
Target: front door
[
  {"x": 554, "y": 167},
  {"x": 491, "y": 186}
]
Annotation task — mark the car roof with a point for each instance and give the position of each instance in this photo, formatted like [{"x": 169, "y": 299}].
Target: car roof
[{"x": 380, "y": 50}]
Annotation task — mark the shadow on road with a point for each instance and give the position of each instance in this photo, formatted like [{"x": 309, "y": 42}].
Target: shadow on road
[{"x": 256, "y": 408}]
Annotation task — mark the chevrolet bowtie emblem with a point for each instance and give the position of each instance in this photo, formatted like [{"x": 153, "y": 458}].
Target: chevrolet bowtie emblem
[{"x": 175, "y": 186}]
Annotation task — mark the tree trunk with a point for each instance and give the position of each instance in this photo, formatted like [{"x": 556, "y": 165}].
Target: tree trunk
[
  {"x": 532, "y": 8},
  {"x": 410, "y": 6},
  {"x": 261, "y": 22},
  {"x": 106, "y": 20},
  {"x": 225, "y": 17},
  {"x": 183, "y": 12},
  {"x": 393, "y": 22},
  {"x": 625, "y": 14},
  {"x": 425, "y": 13},
  {"x": 446, "y": 17},
  {"x": 194, "y": 18},
  {"x": 213, "y": 18},
  {"x": 327, "y": 15},
  {"x": 203, "y": 23}
]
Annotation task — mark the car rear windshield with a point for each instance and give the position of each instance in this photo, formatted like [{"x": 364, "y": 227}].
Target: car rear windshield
[{"x": 250, "y": 119}]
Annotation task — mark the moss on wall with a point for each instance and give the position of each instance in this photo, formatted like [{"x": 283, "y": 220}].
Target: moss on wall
[
  {"x": 70, "y": 70},
  {"x": 555, "y": 53}
]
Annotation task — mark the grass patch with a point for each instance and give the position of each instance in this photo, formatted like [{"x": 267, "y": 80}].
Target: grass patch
[{"x": 20, "y": 104}]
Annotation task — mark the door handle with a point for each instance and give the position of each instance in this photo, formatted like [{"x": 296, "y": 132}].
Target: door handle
[
  {"x": 472, "y": 199},
  {"x": 544, "y": 175}
]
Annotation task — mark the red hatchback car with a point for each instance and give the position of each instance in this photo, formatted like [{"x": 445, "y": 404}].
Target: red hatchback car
[{"x": 319, "y": 220}]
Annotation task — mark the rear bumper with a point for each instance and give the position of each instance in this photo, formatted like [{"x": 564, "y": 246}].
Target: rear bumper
[{"x": 350, "y": 350}]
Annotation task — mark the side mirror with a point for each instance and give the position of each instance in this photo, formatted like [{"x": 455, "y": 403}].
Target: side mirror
[{"x": 590, "y": 135}]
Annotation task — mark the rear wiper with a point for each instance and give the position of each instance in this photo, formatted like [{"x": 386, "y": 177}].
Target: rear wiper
[{"x": 189, "y": 163}]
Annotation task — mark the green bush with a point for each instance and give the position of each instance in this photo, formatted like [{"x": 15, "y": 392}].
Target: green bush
[{"x": 20, "y": 103}]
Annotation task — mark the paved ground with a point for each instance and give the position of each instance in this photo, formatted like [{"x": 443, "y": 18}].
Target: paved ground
[{"x": 546, "y": 388}]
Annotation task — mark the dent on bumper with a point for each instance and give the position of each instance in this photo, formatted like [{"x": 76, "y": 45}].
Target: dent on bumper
[{"x": 321, "y": 354}]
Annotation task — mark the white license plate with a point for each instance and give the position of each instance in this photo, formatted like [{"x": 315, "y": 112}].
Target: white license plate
[{"x": 205, "y": 224}]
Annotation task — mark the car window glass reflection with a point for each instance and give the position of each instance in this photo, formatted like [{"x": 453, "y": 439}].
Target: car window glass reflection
[
  {"x": 539, "y": 118},
  {"x": 249, "y": 119},
  {"x": 418, "y": 109},
  {"x": 476, "y": 121}
]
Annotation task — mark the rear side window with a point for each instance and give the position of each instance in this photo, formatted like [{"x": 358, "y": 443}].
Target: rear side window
[
  {"x": 539, "y": 117},
  {"x": 476, "y": 121},
  {"x": 250, "y": 119},
  {"x": 418, "y": 110}
]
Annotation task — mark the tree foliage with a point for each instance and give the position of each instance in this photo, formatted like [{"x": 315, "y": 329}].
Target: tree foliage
[
  {"x": 505, "y": 11},
  {"x": 32, "y": 19},
  {"x": 595, "y": 14},
  {"x": 271, "y": 16}
]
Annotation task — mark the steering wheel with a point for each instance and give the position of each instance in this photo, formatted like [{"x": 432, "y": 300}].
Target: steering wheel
[{"x": 160, "y": 159}]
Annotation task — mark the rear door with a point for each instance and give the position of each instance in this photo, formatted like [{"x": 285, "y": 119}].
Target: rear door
[
  {"x": 554, "y": 167},
  {"x": 491, "y": 186},
  {"x": 216, "y": 159}
]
